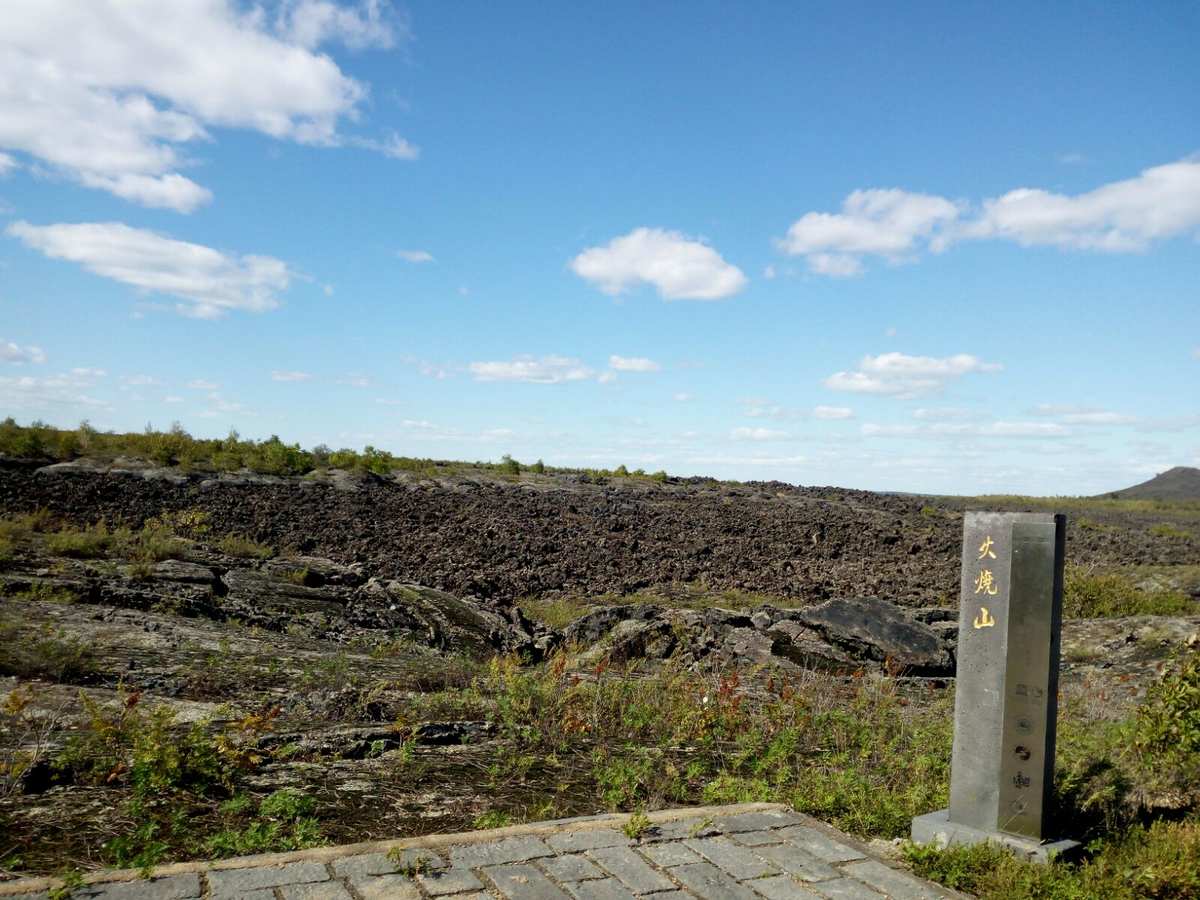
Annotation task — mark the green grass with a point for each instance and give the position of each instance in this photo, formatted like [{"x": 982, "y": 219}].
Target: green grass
[
  {"x": 1088, "y": 594},
  {"x": 243, "y": 547},
  {"x": 558, "y": 612},
  {"x": 1164, "y": 529}
]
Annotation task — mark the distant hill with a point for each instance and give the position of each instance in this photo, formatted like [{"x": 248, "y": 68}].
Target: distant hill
[{"x": 1179, "y": 483}]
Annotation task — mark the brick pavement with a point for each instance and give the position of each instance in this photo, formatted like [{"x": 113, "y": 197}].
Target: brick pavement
[{"x": 745, "y": 852}]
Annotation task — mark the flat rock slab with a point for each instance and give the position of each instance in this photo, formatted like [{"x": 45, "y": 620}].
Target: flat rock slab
[{"x": 749, "y": 851}]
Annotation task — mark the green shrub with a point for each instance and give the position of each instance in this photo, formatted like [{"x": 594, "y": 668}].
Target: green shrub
[
  {"x": 1170, "y": 531},
  {"x": 244, "y": 548},
  {"x": 90, "y": 543},
  {"x": 1168, "y": 723},
  {"x": 1088, "y": 595}
]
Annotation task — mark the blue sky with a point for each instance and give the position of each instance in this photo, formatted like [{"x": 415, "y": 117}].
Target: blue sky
[{"x": 948, "y": 248}]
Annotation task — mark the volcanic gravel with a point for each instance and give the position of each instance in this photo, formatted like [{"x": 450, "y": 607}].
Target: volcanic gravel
[{"x": 503, "y": 541}]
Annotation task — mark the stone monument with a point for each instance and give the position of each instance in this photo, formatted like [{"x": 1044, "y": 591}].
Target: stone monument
[{"x": 1006, "y": 695}]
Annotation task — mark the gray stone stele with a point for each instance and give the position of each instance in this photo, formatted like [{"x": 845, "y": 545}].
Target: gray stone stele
[{"x": 1005, "y": 714}]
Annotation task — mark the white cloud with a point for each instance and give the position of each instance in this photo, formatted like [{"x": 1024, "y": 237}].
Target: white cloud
[
  {"x": 633, "y": 364},
  {"x": 769, "y": 273},
  {"x": 607, "y": 377},
  {"x": 546, "y": 370},
  {"x": 290, "y": 376},
  {"x": 889, "y": 223},
  {"x": 209, "y": 283},
  {"x": 140, "y": 381},
  {"x": 905, "y": 366},
  {"x": 7, "y": 164},
  {"x": 679, "y": 267},
  {"x": 941, "y": 413},
  {"x": 967, "y": 430},
  {"x": 832, "y": 412},
  {"x": 114, "y": 106},
  {"x": 415, "y": 256},
  {"x": 202, "y": 384},
  {"x": 355, "y": 379},
  {"x": 757, "y": 434},
  {"x": 64, "y": 389},
  {"x": 1121, "y": 217},
  {"x": 18, "y": 355},
  {"x": 1083, "y": 415},
  {"x": 682, "y": 397},
  {"x": 904, "y": 376},
  {"x": 172, "y": 398},
  {"x": 310, "y": 23}
]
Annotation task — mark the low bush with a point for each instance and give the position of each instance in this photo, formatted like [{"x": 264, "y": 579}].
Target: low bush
[
  {"x": 1088, "y": 595},
  {"x": 244, "y": 548}
]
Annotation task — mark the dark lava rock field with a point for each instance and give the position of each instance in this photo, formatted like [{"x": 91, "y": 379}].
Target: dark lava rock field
[{"x": 503, "y": 540}]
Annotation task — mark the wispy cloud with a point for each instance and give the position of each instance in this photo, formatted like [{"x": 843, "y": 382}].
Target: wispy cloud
[
  {"x": 544, "y": 370},
  {"x": 18, "y": 355},
  {"x": 415, "y": 256},
  {"x": 208, "y": 282},
  {"x": 290, "y": 376},
  {"x": 633, "y": 364},
  {"x": 903, "y": 376}
]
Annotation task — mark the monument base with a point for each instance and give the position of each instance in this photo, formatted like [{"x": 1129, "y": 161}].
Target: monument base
[{"x": 937, "y": 829}]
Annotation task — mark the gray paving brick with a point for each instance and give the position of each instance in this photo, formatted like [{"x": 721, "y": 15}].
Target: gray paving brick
[
  {"x": 757, "y": 838},
  {"x": 604, "y": 889},
  {"x": 450, "y": 881},
  {"x": 574, "y": 841},
  {"x": 672, "y": 854},
  {"x": 847, "y": 889},
  {"x": 508, "y": 850},
  {"x": 386, "y": 887},
  {"x": 692, "y": 827},
  {"x": 757, "y": 821},
  {"x": 632, "y": 870},
  {"x": 819, "y": 845},
  {"x": 732, "y": 858},
  {"x": 781, "y": 887},
  {"x": 898, "y": 885},
  {"x": 318, "y": 890},
  {"x": 234, "y": 884},
  {"x": 796, "y": 862},
  {"x": 259, "y": 894},
  {"x": 174, "y": 887},
  {"x": 574, "y": 867},
  {"x": 523, "y": 882},
  {"x": 707, "y": 881},
  {"x": 379, "y": 864}
]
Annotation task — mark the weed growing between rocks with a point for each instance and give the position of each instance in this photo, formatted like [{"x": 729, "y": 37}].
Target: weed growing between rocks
[{"x": 183, "y": 785}]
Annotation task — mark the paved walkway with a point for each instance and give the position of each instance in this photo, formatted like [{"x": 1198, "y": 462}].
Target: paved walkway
[{"x": 746, "y": 852}]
